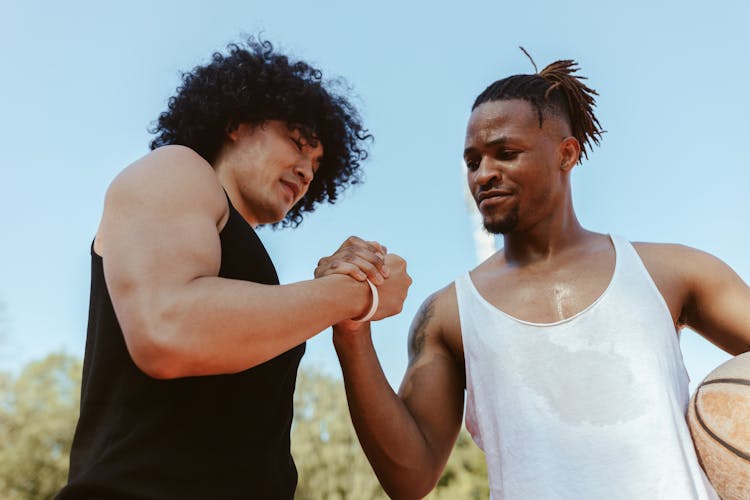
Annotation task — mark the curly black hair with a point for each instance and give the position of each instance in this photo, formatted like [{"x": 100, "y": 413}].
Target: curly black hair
[{"x": 253, "y": 84}]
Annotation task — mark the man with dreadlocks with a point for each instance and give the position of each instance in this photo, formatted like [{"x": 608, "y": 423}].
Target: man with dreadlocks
[{"x": 565, "y": 340}]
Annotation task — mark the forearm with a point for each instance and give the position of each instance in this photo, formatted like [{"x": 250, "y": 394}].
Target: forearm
[
  {"x": 215, "y": 325},
  {"x": 390, "y": 437}
]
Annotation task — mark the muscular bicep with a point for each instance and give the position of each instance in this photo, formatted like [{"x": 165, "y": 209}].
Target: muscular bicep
[
  {"x": 718, "y": 302},
  {"x": 158, "y": 233},
  {"x": 433, "y": 388}
]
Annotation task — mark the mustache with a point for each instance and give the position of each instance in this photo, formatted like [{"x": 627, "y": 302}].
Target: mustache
[{"x": 493, "y": 187}]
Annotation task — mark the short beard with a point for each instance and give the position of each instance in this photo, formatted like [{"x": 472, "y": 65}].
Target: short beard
[{"x": 504, "y": 225}]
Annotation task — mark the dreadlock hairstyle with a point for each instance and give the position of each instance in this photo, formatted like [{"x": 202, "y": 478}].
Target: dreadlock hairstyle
[{"x": 555, "y": 90}]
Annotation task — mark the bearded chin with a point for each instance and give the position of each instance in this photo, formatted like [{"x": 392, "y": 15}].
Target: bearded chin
[{"x": 504, "y": 225}]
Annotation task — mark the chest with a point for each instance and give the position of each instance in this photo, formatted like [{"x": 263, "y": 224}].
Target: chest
[{"x": 549, "y": 292}]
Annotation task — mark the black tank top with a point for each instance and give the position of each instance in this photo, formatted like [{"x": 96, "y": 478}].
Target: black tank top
[{"x": 211, "y": 437}]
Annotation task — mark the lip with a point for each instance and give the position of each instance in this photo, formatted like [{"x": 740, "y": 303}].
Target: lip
[
  {"x": 294, "y": 188},
  {"x": 493, "y": 193}
]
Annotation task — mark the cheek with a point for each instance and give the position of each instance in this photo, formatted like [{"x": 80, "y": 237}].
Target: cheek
[
  {"x": 545, "y": 194},
  {"x": 471, "y": 186},
  {"x": 470, "y": 179},
  {"x": 305, "y": 191}
]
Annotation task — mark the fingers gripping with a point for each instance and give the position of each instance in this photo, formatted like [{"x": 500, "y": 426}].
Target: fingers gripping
[{"x": 357, "y": 258}]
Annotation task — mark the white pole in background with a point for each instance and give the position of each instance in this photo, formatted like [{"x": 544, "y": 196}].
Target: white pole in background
[{"x": 484, "y": 242}]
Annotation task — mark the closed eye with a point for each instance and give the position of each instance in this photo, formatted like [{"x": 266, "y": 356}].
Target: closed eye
[
  {"x": 506, "y": 154},
  {"x": 472, "y": 163}
]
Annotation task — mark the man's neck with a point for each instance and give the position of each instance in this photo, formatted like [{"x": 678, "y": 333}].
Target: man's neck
[{"x": 544, "y": 241}]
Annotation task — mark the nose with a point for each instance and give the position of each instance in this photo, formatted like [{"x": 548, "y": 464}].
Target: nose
[
  {"x": 487, "y": 172},
  {"x": 304, "y": 170}
]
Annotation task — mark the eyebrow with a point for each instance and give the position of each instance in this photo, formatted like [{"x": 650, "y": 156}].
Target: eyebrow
[
  {"x": 500, "y": 141},
  {"x": 298, "y": 133}
]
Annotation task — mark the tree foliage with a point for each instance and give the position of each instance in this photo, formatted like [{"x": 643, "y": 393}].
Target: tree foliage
[
  {"x": 38, "y": 412},
  {"x": 39, "y": 409},
  {"x": 332, "y": 465}
]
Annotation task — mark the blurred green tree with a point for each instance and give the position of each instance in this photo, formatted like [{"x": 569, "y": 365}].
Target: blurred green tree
[
  {"x": 38, "y": 413},
  {"x": 331, "y": 463},
  {"x": 329, "y": 460},
  {"x": 39, "y": 409}
]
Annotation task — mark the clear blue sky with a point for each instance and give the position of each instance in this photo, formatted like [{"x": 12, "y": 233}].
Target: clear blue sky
[{"x": 82, "y": 81}]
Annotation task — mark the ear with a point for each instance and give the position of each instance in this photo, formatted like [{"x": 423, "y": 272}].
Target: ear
[
  {"x": 570, "y": 152},
  {"x": 232, "y": 132}
]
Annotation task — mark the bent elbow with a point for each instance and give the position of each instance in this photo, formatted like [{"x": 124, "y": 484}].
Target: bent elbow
[
  {"x": 411, "y": 492},
  {"x": 410, "y": 486},
  {"x": 157, "y": 368},
  {"x": 152, "y": 353}
]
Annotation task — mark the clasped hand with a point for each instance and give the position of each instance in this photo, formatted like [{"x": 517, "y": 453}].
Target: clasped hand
[{"x": 364, "y": 260}]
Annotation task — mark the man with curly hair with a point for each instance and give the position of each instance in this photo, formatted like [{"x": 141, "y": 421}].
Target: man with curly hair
[{"x": 193, "y": 346}]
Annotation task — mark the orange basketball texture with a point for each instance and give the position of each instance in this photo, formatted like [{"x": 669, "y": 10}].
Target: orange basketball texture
[{"x": 719, "y": 420}]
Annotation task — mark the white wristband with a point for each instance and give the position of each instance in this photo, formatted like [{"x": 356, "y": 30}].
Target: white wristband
[{"x": 373, "y": 306}]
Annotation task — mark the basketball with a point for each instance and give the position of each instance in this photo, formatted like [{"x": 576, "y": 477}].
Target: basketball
[{"x": 719, "y": 420}]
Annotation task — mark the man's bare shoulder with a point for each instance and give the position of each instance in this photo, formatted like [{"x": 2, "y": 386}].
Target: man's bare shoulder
[
  {"x": 170, "y": 177},
  {"x": 689, "y": 269},
  {"x": 660, "y": 248},
  {"x": 170, "y": 183},
  {"x": 674, "y": 256},
  {"x": 437, "y": 322},
  {"x": 166, "y": 170}
]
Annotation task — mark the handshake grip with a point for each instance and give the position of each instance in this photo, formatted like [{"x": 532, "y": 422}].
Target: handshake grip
[
  {"x": 393, "y": 290},
  {"x": 370, "y": 261}
]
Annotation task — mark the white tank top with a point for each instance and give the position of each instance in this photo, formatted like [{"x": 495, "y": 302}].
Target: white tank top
[{"x": 588, "y": 408}]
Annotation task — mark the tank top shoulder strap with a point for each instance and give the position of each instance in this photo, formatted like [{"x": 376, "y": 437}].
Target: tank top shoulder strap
[
  {"x": 635, "y": 269},
  {"x": 463, "y": 298},
  {"x": 232, "y": 212},
  {"x": 627, "y": 255},
  {"x": 463, "y": 290}
]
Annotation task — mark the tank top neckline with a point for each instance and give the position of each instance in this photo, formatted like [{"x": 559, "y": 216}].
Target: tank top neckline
[{"x": 599, "y": 299}]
